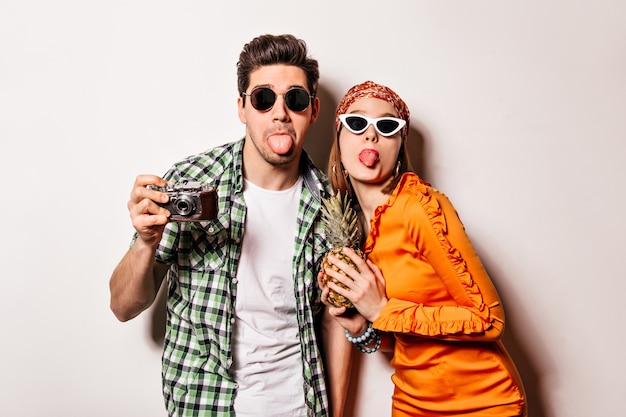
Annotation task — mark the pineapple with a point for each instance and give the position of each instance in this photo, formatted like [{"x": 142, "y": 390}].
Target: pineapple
[{"x": 341, "y": 225}]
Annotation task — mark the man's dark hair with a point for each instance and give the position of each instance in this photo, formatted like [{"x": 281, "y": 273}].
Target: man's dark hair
[{"x": 272, "y": 50}]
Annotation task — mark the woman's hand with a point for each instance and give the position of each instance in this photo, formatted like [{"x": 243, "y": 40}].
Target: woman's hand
[
  {"x": 349, "y": 319},
  {"x": 365, "y": 286}
]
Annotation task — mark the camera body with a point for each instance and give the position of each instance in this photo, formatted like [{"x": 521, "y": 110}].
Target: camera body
[{"x": 189, "y": 201}]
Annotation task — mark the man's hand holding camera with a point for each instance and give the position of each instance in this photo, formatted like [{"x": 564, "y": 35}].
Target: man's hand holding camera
[
  {"x": 148, "y": 217},
  {"x": 154, "y": 202}
]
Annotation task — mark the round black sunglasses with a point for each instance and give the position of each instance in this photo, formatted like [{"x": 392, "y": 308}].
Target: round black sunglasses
[{"x": 263, "y": 98}]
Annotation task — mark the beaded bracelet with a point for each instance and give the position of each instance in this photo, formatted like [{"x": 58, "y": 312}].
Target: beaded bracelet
[
  {"x": 363, "y": 349},
  {"x": 365, "y": 339}
]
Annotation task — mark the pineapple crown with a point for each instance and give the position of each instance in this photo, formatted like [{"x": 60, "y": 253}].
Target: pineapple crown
[{"x": 340, "y": 221}]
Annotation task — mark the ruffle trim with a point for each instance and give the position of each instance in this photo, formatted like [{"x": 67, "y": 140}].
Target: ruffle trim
[
  {"x": 411, "y": 183},
  {"x": 408, "y": 179},
  {"x": 396, "y": 320}
]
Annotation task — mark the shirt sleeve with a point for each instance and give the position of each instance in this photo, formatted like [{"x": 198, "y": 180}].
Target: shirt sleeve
[{"x": 474, "y": 311}]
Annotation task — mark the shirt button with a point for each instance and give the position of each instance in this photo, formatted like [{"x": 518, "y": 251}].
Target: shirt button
[
  {"x": 229, "y": 362},
  {"x": 232, "y": 320},
  {"x": 235, "y": 280},
  {"x": 211, "y": 229},
  {"x": 236, "y": 385}
]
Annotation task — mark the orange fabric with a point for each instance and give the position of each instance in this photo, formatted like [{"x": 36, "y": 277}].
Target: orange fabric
[{"x": 443, "y": 310}]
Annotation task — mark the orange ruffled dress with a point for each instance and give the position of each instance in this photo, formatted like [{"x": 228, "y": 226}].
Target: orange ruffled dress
[{"x": 443, "y": 311}]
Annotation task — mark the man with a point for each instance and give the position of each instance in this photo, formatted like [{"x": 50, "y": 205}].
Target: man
[{"x": 243, "y": 304}]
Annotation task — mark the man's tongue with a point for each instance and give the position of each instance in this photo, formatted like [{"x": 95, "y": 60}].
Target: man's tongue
[
  {"x": 368, "y": 157},
  {"x": 281, "y": 144}
]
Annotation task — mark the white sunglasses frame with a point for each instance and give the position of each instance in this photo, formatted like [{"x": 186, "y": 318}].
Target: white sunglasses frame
[{"x": 372, "y": 121}]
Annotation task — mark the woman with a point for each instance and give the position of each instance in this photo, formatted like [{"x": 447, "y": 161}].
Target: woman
[{"x": 436, "y": 300}]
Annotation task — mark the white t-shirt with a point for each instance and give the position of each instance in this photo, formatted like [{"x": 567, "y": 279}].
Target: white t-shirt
[{"x": 267, "y": 363}]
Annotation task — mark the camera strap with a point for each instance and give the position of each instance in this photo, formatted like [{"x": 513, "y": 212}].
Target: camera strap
[{"x": 310, "y": 184}]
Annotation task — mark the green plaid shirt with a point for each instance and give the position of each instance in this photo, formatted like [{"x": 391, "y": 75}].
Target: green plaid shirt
[{"x": 204, "y": 255}]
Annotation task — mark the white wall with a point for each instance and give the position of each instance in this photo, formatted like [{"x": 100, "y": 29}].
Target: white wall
[{"x": 518, "y": 116}]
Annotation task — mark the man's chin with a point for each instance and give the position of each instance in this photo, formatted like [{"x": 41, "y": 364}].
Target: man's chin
[{"x": 282, "y": 159}]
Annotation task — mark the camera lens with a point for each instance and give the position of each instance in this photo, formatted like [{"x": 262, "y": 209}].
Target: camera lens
[{"x": 185, "y": 206}]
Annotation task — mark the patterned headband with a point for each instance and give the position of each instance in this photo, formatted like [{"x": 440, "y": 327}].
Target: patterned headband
[{"x": 371, "y": 89}]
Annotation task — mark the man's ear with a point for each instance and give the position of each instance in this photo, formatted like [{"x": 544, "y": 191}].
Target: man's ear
[
  {"x": 241, "y": 111},
  {"x": 315, "y": 106}
]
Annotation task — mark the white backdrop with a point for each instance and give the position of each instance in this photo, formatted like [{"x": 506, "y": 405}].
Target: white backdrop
[{"x": 518, "y": 115}]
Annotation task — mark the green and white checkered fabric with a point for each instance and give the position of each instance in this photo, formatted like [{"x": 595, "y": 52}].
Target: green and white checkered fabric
[{"x": 204, "y": 257}]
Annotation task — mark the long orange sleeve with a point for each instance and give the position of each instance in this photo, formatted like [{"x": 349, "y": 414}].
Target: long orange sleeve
[{"x": 443, "y": 310}]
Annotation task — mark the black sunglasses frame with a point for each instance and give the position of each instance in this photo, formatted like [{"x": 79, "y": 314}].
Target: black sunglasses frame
[{"x": 294, "y": 98}]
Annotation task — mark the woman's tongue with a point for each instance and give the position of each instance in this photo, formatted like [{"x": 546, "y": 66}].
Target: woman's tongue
[
  {"x": 368, "y": 157},
  {"x": 281, "y": 144}
]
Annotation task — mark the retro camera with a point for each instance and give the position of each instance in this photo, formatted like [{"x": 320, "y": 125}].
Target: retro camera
[{"x": 189, "y": 201}]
